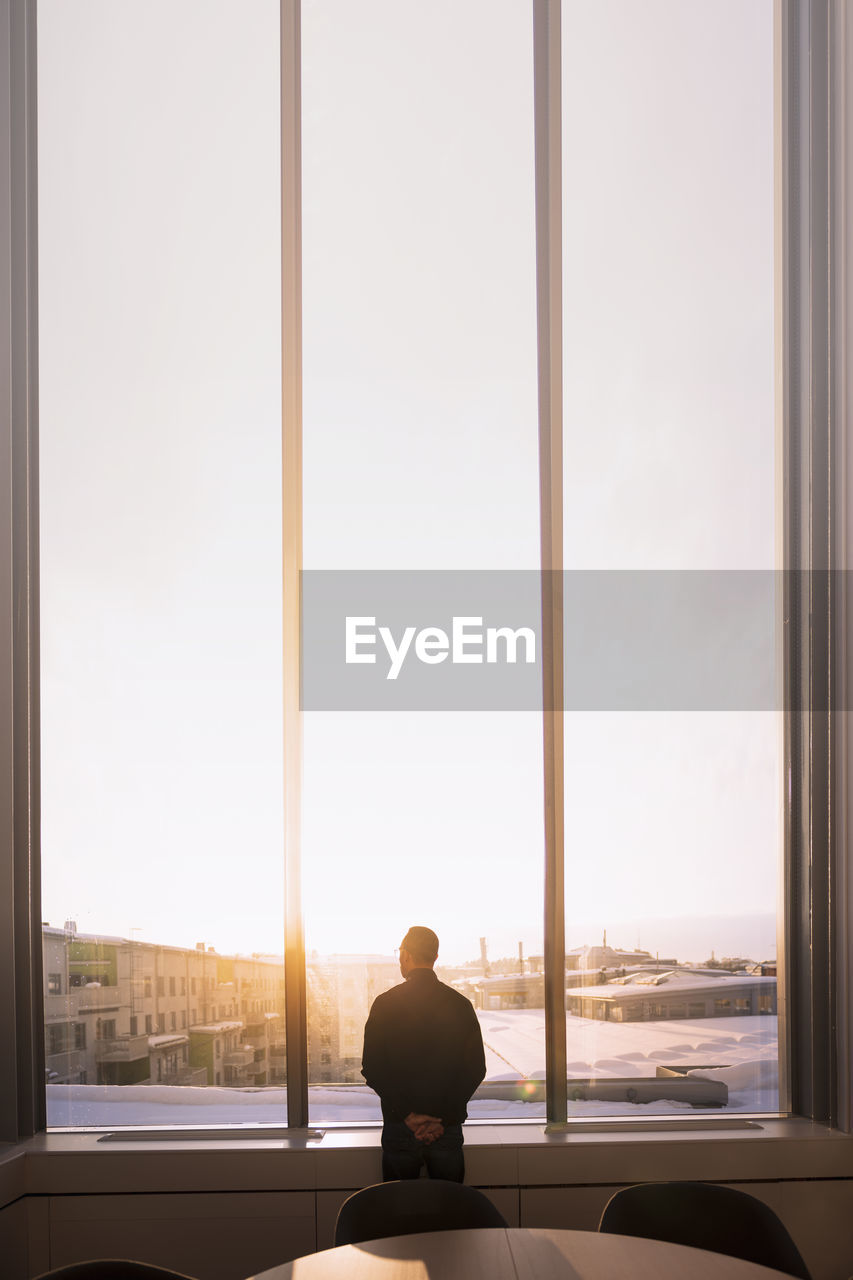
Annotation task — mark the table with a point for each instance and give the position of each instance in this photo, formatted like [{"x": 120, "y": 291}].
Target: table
[{"x": 517, "y": 1253}]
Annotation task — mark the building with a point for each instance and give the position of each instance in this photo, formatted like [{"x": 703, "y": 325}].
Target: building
[
  {"x": 119, "y": 1011},
  {"x": 341, "y": 989},
  {"x": 505, "y": 991},
  {"x": 606, "y": 957},
  {"x": 679, "y": 993}
]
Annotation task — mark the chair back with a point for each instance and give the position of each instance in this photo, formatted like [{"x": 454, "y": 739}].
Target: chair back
[
  {"x": 112, "y": 1269},
  {"x": 705, "y": 1216},
  {"x": 413, "y": 1205}
]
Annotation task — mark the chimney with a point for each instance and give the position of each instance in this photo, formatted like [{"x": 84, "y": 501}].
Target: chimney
[{"x": 484, "y": 959}]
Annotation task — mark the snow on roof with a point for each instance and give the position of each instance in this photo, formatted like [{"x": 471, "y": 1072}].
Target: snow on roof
[
  {"x": 674, "y": 980},
  {"x": 215, "y": 1028},
  {"x": 157, "y": 1042},
  {"x": 743, "y": 1051}
]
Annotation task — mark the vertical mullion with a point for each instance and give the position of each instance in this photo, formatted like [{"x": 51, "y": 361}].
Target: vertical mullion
[
  {"x": 22, "y": 1099},
  {"x": 549, "y": 269},
  {"x": 787, "y": 468},
  {"x": 291, "y": 459},
  {"x": 809, "y": 184},
  {"x": 841, "y": 416}
]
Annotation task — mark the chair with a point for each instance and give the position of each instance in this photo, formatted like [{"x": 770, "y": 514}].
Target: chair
[
  {"x": 415, "y": 1204},
  {"x": 705, "y": 1216},
  {"x": 112, "y": 1269}
]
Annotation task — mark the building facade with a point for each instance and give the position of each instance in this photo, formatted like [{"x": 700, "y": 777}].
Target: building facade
[{"x": 118, "y": 1011}]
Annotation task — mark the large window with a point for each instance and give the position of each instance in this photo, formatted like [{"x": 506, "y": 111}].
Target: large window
[
  {"x": 673, "y": 806},
  {"x": 420, "y": 462},
  {"x": 480, "y": 376},
  {"x": 160, "y": 555}
]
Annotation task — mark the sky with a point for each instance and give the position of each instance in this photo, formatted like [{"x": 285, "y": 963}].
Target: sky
[{"x": 161, "y": 464}]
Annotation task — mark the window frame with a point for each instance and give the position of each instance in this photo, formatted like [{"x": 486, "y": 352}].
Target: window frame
[{"x": 813, "y": 52}]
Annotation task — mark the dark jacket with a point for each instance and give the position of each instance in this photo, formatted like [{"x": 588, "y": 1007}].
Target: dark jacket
[{"x": 423, "y": 1049}]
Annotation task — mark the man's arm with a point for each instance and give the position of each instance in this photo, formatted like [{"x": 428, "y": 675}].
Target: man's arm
[
  {"x": 465, "y": 1066},
  {"x": 382, "y": 1075},
  {"x": 474, "y": 1058},
  {"x": 377, "y": 1063}
]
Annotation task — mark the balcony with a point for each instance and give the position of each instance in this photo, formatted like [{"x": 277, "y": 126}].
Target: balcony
[
  {"x": 62, "y": 1007},
  {"x": 258, "y": 1039},
  {"x": 98, "y": 999},
  {"x": 244, "y": 1056},
  {"x": 121, "y": 1049}
]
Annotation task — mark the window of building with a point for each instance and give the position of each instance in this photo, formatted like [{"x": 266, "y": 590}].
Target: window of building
[
  {"x": 54, "y": 984},
  {"x": 134, "y": 1024},
  {"x": 57, "y": 1038},
  {"x": 171, "y": 986},
  {"x": 149, "y": 1024},
  {"x": 108, "y": 1029}
]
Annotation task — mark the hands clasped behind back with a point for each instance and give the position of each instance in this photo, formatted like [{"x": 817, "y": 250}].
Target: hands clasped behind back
[{"x": 425, "y": 1128}]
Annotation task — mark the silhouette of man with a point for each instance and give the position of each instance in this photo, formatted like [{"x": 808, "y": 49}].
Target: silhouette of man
[{"x": 423, "y": 1055}]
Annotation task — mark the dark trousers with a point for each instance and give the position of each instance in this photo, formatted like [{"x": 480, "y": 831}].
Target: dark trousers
[{"x": 403, "y": 1155}]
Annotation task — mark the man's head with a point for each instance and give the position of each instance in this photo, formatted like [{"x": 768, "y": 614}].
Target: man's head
[{"x": 418, "y": 950}]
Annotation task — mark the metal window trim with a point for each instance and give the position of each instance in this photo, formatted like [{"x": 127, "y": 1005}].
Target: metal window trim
[
  {"x": 22, "y": 1099},
  {"x": 840, "y": 319},
  {"x": 547, "y": 98},
  {"x": 295, "y": 990},
  {"x": 813, "y": 282}
]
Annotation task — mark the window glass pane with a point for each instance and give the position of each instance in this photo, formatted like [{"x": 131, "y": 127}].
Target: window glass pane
[
  {"x": 420, "y": 426},
  {"x": 160, "y": 487},
  {"x": 673, "y": 801}
]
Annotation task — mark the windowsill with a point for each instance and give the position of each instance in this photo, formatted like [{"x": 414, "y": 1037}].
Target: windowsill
[{"x": 496, "y": 1155}]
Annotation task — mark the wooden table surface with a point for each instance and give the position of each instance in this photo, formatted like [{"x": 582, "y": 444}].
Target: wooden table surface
[{"x": 517, "y": 1253}]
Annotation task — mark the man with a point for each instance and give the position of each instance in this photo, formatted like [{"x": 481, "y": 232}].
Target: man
[{"x": 423, "y": 1055}]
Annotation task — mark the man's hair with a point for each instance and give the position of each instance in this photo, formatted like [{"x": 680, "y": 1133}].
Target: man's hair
[{"x": 421, "y": 944}]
